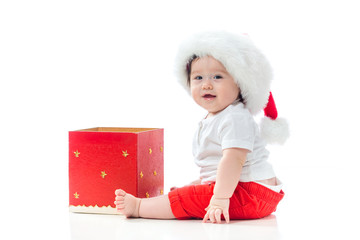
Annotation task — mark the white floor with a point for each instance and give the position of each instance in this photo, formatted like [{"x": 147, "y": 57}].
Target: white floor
[
  {"x": 115, "y": 227},
  {"x": 312, "y": 209}
]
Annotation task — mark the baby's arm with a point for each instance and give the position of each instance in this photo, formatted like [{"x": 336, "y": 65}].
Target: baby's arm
[{"x": 227, "y": 178}]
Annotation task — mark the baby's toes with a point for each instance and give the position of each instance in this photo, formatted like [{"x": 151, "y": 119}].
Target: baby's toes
[
  {"x": 120, "y": 192},
  {"x": 119, "y": 198},
  {"x": 119, "y": 204}
]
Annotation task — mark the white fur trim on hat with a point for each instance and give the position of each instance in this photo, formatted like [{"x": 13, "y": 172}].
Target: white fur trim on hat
[
  {"x": 274, "y": 131},
  {"x": 241, "y": 58}
]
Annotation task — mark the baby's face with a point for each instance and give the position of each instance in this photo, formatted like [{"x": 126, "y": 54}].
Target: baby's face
[{"x": 212, "y": 87}]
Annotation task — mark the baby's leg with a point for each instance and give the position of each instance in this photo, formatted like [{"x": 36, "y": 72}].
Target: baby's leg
[{"x": 130, "y": 206}]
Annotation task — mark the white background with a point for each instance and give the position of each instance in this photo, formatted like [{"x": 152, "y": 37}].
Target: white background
[{"x": 68, "y": 65}]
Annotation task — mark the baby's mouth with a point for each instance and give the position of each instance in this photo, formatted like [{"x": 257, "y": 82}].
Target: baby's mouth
[{"x": 209, "y": 96}]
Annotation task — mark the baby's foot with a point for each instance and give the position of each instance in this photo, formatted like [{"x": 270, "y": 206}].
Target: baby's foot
[{"x": 127, "y": 204}]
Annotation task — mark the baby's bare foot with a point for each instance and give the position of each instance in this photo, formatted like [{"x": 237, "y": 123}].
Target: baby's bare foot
[{"x": 127, "y": 204}]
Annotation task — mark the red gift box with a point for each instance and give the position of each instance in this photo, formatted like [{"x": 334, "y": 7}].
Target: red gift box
[{"x": 102, "y": 160}]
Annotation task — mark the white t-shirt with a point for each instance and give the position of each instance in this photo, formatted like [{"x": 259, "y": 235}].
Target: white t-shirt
[{"x": 234, "y": 127}]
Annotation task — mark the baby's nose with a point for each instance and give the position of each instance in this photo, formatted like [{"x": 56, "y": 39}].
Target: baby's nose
[{"x": 207, "y": 85}]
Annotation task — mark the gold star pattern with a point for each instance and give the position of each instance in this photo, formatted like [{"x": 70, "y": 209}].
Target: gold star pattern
[
  {"x": 147, "y": 195},
  {"x": 77, "y": 153},
  {"x": 155, "y": 173},
  {"x": 161, "y": 192},
  {"x": 141, "y": 174},
  {"x": 103, "y": 174},
  {"x": 125, "y": 153},
  {"x": 150, "y": 151},
  {"x": 76, "y": 195},
  {"x": 161, "y": 149}
]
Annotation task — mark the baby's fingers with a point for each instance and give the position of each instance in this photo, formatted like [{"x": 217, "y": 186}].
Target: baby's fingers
[
  {"x": 212, "y": 215},
  {"x": 218, "y": 215},
  {"x": 226, "y": 215},
  {"x": 206, "y": 217}
]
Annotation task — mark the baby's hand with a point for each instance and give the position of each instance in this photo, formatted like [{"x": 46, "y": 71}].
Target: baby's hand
[{"x": 217, "y": 207}]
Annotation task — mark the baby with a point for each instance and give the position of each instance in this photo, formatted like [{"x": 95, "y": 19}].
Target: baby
[{"x": 230, "y": 78}]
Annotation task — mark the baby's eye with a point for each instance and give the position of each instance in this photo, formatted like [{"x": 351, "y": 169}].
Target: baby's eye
[
  {"x": 218, "y": 77},
  {"x": 198, "y": 77}
]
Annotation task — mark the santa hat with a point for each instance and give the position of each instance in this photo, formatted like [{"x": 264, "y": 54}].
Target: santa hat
[{"x": 249, "y": 68}]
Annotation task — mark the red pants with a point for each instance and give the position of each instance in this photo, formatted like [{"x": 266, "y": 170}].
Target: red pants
[{"x": 249, "y": 201}]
